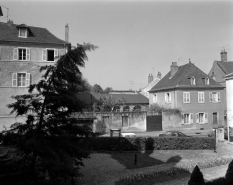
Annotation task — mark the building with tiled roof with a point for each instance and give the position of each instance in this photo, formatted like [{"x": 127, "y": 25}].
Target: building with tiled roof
[
  {"x": 128, "y": 102},
  {"x": 197, "y": 95},
  {"x": 151, "y": 83},
  {"x": 221, "y": 68},
  {"x": 23, "y": 49}
]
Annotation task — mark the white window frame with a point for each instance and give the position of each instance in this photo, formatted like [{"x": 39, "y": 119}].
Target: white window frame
[
  {"x": 211, "y": 97},
  {"x": 15, "y": 79},
  {"x": 45, "y": 54},
  {"x": 201, "y": 97},
  {"x": 16, "y": 53},
  {"x": 168, "y": 98},
  {"x": 193, "y": 81},
  {"x": 186, "y": 97},
  {"x": 154, "y": 98},
  {"x": 207, "y": 81},
  {"x": 26, "y": 33},
  {"x": 205, "y": 117},
  {"x": 190, "y": 118}
]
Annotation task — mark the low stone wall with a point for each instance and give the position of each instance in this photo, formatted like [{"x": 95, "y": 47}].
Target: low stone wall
[{"x": 127, "y": 121}]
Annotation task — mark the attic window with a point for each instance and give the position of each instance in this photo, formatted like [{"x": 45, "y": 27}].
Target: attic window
[
  {"x": 207, "y": 81},
  {"x": 193, "y": 81},
  {"x": 23, "y": 32}
]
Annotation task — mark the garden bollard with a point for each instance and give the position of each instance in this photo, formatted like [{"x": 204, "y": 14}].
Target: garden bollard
[{"x": 135, "y": 159}]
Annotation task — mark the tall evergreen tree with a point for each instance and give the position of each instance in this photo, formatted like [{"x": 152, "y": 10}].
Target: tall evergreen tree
[{"x": 45, "y": 141}]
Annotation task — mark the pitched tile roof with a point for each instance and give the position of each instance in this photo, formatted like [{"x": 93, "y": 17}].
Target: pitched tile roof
[
  {"x": 227, "y": 67},
  {"x": 9, "y": 32},
  {"x": 182, "y": 77},
  {"x": 91, "y": 97}
]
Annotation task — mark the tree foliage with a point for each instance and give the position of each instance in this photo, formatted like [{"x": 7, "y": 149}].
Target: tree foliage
[
  {"x": 97, "y": 89},
  {"x": 45, "y": 141},
  {"x": 108, "y": 89},
  {"x": 196, "y": 177}
]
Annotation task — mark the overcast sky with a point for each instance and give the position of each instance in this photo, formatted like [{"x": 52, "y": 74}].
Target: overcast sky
[{"x": 134, "y": 36}]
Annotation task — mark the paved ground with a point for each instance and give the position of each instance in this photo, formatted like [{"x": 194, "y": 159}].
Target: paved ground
[{"x": 101, "y": 169}]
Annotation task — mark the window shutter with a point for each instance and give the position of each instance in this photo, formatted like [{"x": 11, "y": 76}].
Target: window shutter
[
  {"x": 218, "y": 96},
  {"x": 182, "y": 119},
  {"x": 165, "y": 97},
  {"x": 14, "y": 79},
  {"x": 28, "y": 54},
  {"x": 15, "y": 54},
  {"x": 199, "y": 97},
  {"x": 27, "y": 79},
  {"x": 206, "y": 117},
  {"x": 191, "y": 117},
  {"x": 211, "y": 99},
  {"x": 44, "y": 54},
  {"x": 197, "y": 117},
  {"x": 170, "y": 97},
  {"x": 55, "y": 53},
  {"x": 203, "y": 97},
  {"x": 188, "y": 94}
]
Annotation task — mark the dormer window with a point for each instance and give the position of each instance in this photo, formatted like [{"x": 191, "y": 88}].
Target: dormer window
[
  {"x": 23, "y": 32},
  {"x": 207, "y": 81},
  {"x": 193, "y": 81}
]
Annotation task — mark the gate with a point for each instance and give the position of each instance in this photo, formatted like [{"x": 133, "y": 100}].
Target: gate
[{"x": 154, "y": 123}]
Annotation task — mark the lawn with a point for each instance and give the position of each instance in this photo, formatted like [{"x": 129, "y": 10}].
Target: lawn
[{"x": 142, "y": 159}]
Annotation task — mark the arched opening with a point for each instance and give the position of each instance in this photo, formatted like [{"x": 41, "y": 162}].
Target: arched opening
[
  {"x": 116, "y": 109},
  {"x": 137, "y": 108},
  {"x": 126, "y": 108}
]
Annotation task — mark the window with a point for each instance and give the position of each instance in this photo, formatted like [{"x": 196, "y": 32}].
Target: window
[
  {"x": 20, "y": 79},
  {"x": 125, "y": 121},
  {"x": 207, "y": 81},
  {"x": 154, "y": 98},
  {"x": 201, "y": 118},
  {"x": 49, "y": 54},
  {"x": 201, "y": 97},
  {"x": 186, "y": 97},
  {"x": 23, "y": 32},
  {"x": 193, "y": 81},
  {"x": 22, "y": 54},
  {"x": 168, "y": 98},
  {"x": 187, "y": 118},
  {"x": 214, "y": 97}
]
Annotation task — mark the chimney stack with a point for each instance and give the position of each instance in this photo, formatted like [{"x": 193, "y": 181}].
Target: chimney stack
[
  {"x": 174, "y": 68},
  {"x": 159, "y": 75},
  {"x": 150, "y": 78},
  {"x": 223, "y": 56},
  {"x": 67, "y": 33}
]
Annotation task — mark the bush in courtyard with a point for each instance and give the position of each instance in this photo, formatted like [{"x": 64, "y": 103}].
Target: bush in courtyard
[
  {"x": 229, "y": 173},
  {"x": 149, "y": 144},
  {"x": 196, "y": 177}
]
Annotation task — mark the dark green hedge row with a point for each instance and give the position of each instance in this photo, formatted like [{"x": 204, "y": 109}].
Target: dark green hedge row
[{"x": 156, "y": 143}]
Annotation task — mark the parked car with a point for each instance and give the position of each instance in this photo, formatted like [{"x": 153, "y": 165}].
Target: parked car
[
  {"x": 173, "y": 134},
  {"x": 128, "y": 135}
]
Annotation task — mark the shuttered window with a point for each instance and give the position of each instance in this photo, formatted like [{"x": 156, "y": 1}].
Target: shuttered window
[{"x": 20, "y": 79}]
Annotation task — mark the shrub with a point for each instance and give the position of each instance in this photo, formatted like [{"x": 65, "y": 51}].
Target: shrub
[
  {"x": 229, "y": 173},
  {"x": 142, "y": 143},
  {"x": 196, "y": 177}
]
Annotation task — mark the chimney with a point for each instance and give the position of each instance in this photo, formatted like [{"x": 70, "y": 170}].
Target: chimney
[
  {"x": 67, "y": 33},
  {"x": 150, "y": 78},
  {"x": 159, "y": 75},
  {"x": 174, "y": 68},
  {"x": 223, "y": 56}
]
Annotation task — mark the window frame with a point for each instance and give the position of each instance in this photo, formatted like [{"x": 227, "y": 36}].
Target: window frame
[
  {"x": 186, "y": 97},
  {"x": 168, "y": 99},
  {"x": 199, "y": 97},
  {"x": 15, "y": 81},
  {"x": 26, "y": 32},
  {"x": 16, "y": 53},
  {"x": 193, "y": 81},
  {"x": 154, "y": 98},
  {"x": 205, "y": 118},
  {"x": 45, "y": 54},
  {"x": 217, "y": 97},
  {"x": 207, "y": 81},
  {"x": 190, "y": 118}
]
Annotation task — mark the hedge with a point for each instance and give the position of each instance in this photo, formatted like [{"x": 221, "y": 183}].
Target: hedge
[{"x": 155, "y": 143}]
